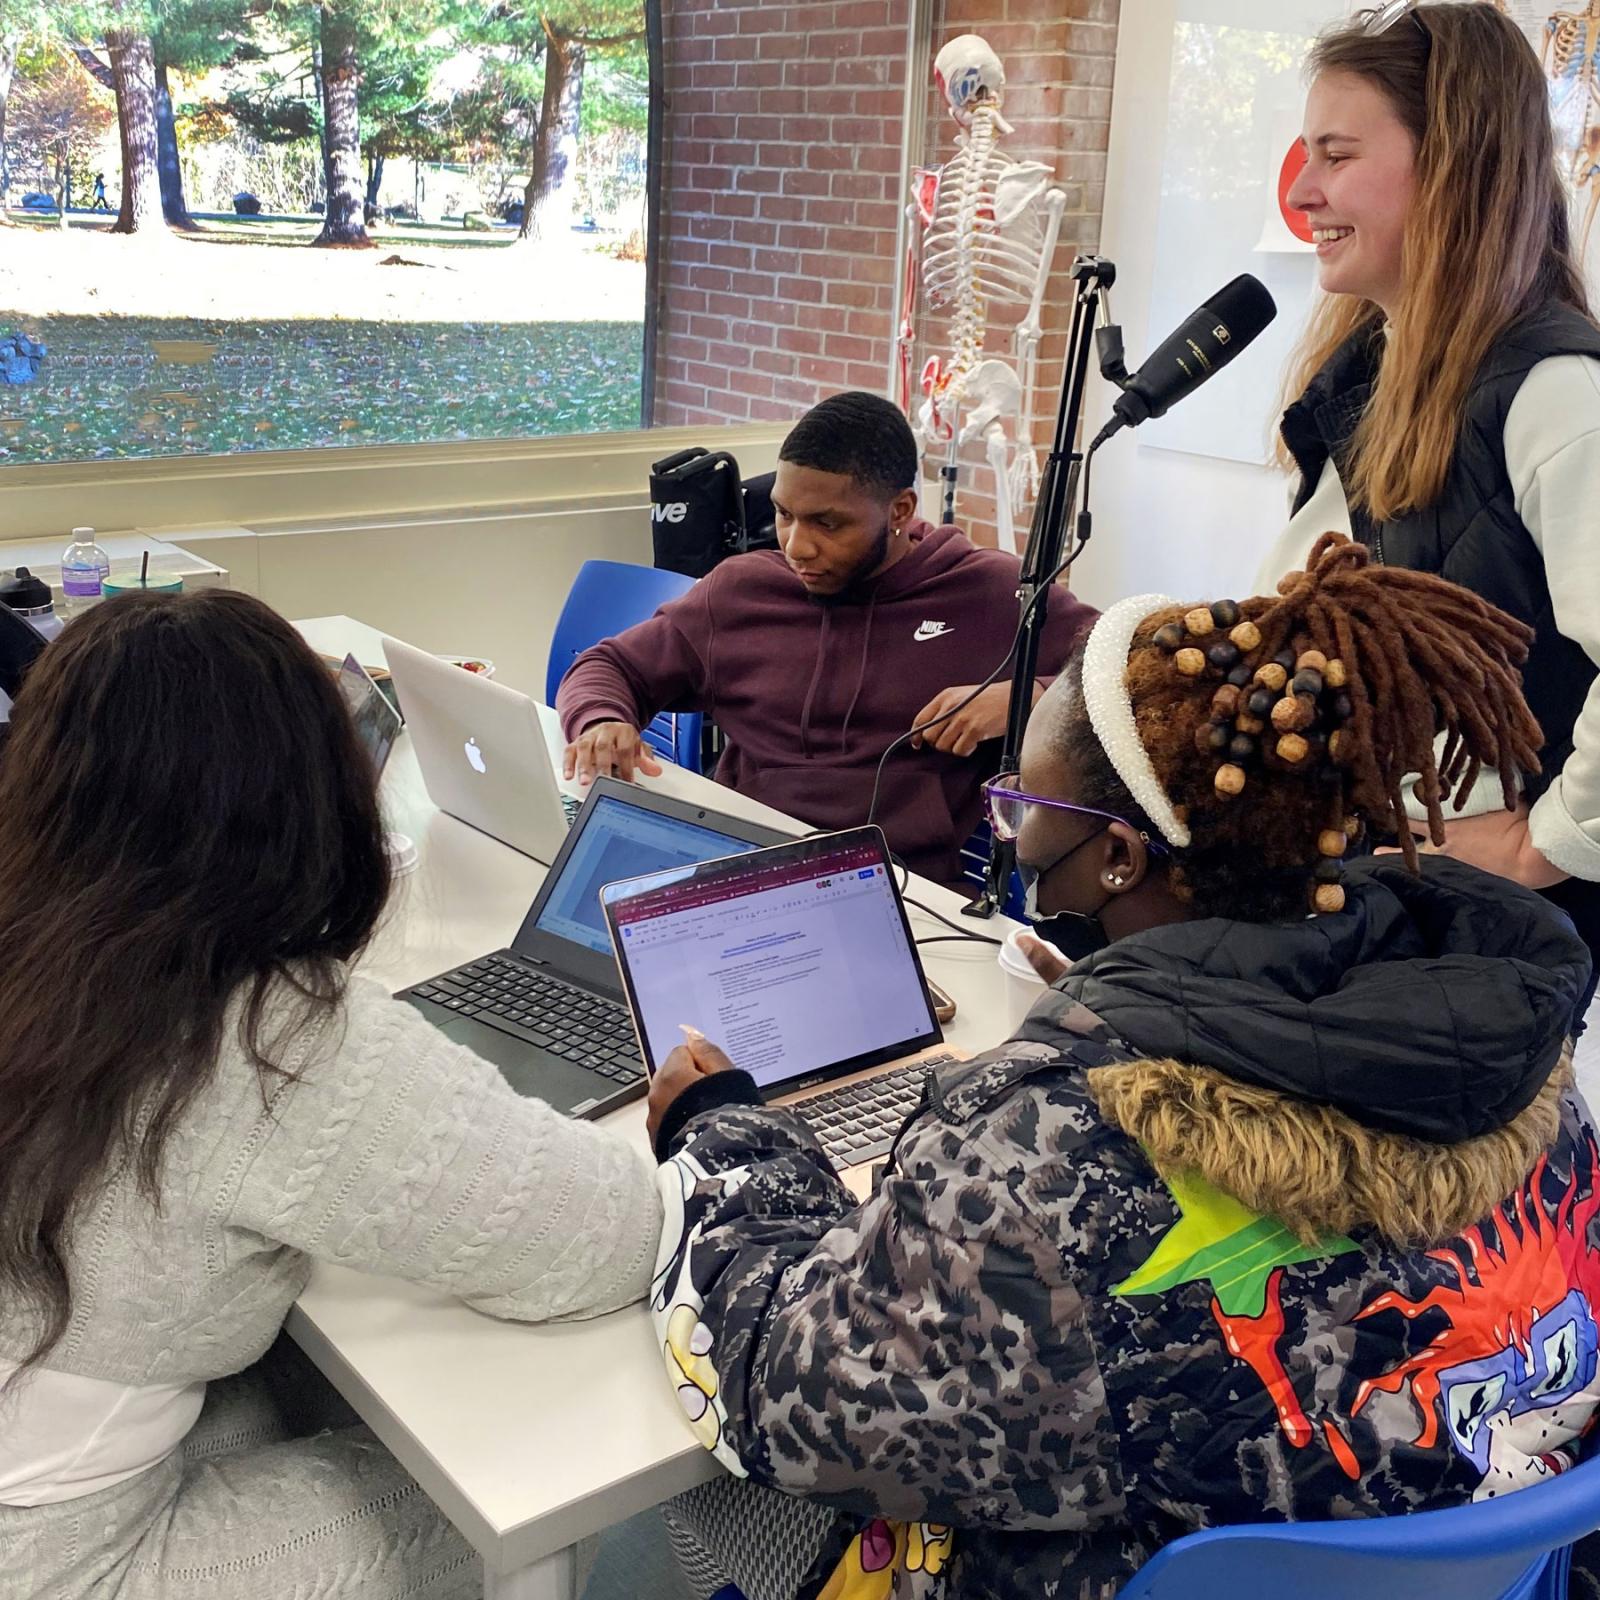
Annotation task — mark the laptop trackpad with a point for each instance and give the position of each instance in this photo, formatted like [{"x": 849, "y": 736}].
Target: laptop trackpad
[{"x": 529, "y": 1070}]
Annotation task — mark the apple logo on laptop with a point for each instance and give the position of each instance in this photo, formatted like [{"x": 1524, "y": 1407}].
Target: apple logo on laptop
[{"x": 475, "y": 756}]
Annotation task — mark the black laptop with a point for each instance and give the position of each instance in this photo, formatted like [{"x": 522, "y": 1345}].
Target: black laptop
[{"x": 549, "y": 1011}]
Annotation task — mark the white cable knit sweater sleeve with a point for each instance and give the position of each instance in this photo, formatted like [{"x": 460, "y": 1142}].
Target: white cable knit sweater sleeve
[{"x": 398, "y": 1152}]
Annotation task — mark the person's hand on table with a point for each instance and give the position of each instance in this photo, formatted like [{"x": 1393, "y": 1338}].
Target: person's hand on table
[
  {"x": 695, "y": 1058},
  {"x": 1497, "y": 842},
  {"x": 961, "y": 734},
  {"x": 609, "y": 749}
]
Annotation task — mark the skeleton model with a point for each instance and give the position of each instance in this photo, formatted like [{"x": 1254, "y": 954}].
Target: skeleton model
[
  {"x": 1572, "y": 56},
  {"x": 1586, "y": 175},
  {"x": 983, "y": 232}
]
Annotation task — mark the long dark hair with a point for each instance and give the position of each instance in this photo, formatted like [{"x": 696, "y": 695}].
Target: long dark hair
[{"x": 185, "y": 817}]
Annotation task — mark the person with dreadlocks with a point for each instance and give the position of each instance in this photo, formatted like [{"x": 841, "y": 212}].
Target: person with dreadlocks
[
  {"x": 1155, "y": 1263},
  {"x": 1446, "y": 405}
]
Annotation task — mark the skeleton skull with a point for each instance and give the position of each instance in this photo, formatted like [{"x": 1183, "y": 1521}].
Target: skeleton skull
[{"x": 968, "y": 73}]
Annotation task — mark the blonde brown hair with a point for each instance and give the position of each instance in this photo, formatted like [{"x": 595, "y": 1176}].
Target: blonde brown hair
[{"x": 1468, "y": 87}]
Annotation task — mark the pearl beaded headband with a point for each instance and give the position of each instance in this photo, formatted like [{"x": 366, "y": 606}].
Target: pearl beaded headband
[
  {"x": 1293, "y": 706},
  {"x": 1110, "y": 708}
]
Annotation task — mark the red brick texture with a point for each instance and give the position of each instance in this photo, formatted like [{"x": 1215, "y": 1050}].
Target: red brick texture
[{"x": 782, "y": 185}]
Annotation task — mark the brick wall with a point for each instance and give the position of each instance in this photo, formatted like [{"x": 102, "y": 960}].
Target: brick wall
[
  {"x": 782, "y": 157},
  {"x": 782, "y": 185}
]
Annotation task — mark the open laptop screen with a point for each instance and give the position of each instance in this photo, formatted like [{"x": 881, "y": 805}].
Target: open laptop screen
[
  {"x": 797, "y": 960},
  {"x": 619, "y": 840},
  {"x": 377, "y": 723}
]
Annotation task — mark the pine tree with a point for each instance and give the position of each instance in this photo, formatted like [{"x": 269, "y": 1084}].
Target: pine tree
[
  {"x": 123, "y": 28},
  {"x": 534, "y": 80},
  {"x": 574, "y": 30},
  {"x": 191, "y": 37}
]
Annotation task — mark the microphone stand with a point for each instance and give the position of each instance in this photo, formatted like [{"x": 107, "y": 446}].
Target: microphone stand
[
  {"x": 948, "y": 475},
  {"x": 1052, "y": 509}
]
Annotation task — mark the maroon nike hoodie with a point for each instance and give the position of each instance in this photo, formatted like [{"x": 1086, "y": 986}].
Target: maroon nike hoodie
[{"x": 810, "y": 692}]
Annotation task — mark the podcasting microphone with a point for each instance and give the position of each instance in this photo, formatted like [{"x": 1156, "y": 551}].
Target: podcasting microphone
[{"x": 1208, "y": 340}]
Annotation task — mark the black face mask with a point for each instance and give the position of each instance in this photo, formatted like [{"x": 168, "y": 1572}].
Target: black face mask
[{"x": 1074, "y": 933}]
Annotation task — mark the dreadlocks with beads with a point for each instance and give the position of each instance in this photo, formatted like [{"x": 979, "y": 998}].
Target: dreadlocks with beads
[{"x": 1282, "y": 728}]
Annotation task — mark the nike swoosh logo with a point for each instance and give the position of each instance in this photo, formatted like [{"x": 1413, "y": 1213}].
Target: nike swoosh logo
[{"x": 931, "y": 630}]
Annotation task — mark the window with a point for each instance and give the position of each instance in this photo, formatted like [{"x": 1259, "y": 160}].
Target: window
[{"x": 350, "y": 223}]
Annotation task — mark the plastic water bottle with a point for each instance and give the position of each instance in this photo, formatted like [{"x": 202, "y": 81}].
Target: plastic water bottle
[{"x": 84, "y": 570}]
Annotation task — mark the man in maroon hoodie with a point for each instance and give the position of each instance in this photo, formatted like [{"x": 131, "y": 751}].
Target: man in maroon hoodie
[{"x": 814, "y": 658}]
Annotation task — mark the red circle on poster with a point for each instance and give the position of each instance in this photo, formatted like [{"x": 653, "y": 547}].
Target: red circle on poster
[{"x": 1293, "y": 165}]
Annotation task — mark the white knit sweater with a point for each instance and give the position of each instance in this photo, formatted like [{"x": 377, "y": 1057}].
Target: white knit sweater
[{"x": 396, "y": 1152}]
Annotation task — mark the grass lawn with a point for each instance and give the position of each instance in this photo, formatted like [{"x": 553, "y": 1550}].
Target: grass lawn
[
  {"x": 104, "y": 391},
  {"x": 245, "y": 338}
]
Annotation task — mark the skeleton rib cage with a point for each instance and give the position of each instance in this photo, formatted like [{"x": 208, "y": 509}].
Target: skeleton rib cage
[
  {"x": 999, "y": 262},
  {"x": 1572, "y": 55}
]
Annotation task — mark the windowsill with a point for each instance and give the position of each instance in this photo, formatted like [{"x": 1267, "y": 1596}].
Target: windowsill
[{"x": 277, "y": 490}]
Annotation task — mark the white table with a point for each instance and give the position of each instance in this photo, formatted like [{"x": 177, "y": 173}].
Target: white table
[{"x": 531, "y": 1439}]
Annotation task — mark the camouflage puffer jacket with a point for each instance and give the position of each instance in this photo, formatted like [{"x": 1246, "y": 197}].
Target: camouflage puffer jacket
[{"x": 1288, "y": 1223}]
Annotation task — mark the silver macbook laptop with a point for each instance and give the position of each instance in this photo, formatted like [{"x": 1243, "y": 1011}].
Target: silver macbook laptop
[
  {"x": 482, "y": 751},
  {"x": 799, "y": 962}
]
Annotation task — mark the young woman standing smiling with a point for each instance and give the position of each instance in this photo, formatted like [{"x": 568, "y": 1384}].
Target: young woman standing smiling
[{"x": 1448, "y": 410}]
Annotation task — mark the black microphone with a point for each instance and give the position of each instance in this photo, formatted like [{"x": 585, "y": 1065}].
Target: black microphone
[{"x": 1208, "y": 340}]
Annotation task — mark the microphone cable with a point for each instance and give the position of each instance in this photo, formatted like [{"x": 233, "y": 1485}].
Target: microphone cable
[
  {"x": 958, "y": 932},
  {"x": 1065, "y": 565}
]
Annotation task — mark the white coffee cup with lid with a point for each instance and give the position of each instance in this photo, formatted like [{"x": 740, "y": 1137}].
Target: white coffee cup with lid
[{"x": 1023, "y": 985}]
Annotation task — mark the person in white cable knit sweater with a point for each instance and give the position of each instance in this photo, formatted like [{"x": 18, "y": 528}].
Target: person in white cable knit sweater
[
  {"x": 1448, "y": 410},
  {"x": 197, "y": 1101}
]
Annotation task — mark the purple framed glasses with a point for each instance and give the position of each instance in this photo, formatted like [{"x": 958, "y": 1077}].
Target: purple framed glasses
[{"x": 1005, "y": 806}]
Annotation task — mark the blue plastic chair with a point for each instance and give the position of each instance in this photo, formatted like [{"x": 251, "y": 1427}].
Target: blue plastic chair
[
  {"x": 1516, "y": 1547},
  {"x": 975, "y": 869},
  {"x": 606, "y": 597}
]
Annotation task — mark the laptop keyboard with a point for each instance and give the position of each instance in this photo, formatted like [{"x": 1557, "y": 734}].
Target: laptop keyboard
[
  {"x": 858, "y": 1123},
  {"x": 559, "y": 1017},
  {"x": 855, "y": 1124}
]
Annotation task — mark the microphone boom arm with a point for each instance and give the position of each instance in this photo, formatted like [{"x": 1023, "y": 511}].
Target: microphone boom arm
[{"x": 1052, "y": 512}]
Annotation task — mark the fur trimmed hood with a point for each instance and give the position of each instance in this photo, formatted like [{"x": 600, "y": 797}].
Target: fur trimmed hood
[
  {"x": 1316, "y": 1170},
  {"x": 1400, "y": 1065},
  {"x": 1434, "y": 1007}
]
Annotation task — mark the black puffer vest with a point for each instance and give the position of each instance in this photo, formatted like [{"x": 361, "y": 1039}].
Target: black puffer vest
[{"x": 1472, "y": 534}]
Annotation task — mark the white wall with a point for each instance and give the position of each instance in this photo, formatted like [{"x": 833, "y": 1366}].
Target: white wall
[
  {"x": 489, "y": 584},
  {"x": 1186, "y": 525},
  {"x": 464, "y": 550}
]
